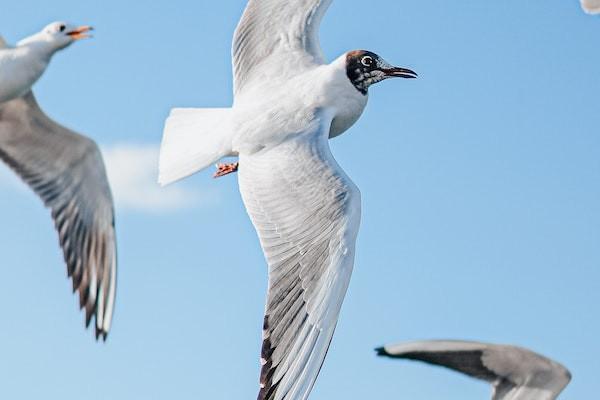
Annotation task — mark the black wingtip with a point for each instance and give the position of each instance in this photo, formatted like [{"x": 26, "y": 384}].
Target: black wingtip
[
  {"x": 101, "y": 335},
  {"x": 382, "y": 352}
]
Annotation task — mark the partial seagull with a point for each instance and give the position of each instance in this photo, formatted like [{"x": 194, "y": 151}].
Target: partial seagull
[
  {"x": 591, "y": 6},
  {"x": 64, "y": 168},
  {"x": 514, "y": 372},
  {"x": 287, "y": 103}
]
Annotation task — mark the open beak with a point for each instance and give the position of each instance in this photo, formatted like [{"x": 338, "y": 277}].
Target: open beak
[
  {"x": 399, "y": 73},
  {"x": 80, "y": 32}
]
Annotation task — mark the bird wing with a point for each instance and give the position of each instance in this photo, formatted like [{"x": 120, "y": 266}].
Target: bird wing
[
  {"x": 591, "y": 6},
  {"x": 306, "y": 212},
  {"x": 66, "y": 170},
  {"x": 276, "y": 35},
  {"x": 515, "y": 373},
  {"x": 465, "y": 357}
]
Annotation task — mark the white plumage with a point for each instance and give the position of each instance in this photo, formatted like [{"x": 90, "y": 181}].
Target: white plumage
[{"x": 305, "y": 209}]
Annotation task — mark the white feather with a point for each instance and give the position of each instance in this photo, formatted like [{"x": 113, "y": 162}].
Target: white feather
[{"x": 193, "y": 139}]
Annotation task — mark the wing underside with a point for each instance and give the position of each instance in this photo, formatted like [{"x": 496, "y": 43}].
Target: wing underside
[
  {"x": 306, "y": 212},
  {"x": 66, "y": 170}
]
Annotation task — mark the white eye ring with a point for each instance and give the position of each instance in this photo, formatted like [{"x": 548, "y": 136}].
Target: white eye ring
[{"x": 367, "y": 61}]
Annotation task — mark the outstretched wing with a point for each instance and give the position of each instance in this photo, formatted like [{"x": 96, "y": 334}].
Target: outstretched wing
[
  {"x": 306, "y": 212},
  {"x": 515, "y": 373},
  {"x": 66, "y": 170},
  {"x": 465, "y": 357},
  {"x": 276, "y": 35}
]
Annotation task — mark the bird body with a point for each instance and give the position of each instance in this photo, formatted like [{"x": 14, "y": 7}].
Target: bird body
[
  {"x": 306, "y": 211},
  {"x": 515, "y": 373},
  {"x": 272, "y": 112},
  {"x": 21, "y": 66},
  {"x": 266, "y": 113}
]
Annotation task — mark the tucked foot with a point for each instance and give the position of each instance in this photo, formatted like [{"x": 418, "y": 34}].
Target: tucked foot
[{"x": 226, "y": 169}]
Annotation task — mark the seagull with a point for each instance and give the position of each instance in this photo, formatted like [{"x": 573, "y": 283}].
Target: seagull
[
  {"x": 287, "y": 103},
  {"x": 23, "y": 65},
  {"x": 64, "y": 168},
  {"x": 591, "y": 6},
  {"x": 514, "y": 372}
]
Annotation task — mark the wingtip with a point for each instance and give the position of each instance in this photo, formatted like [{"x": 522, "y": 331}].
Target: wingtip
[
  {"x": 382, "y": 352},
  {"x": 101, "y": 335}
]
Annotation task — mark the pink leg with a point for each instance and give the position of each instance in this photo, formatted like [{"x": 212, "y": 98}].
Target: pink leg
[{"x": 226, "y": 169}]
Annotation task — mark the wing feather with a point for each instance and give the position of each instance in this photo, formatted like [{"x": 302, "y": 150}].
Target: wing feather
[
  {"x": 306, "y": 212},
  {"x": 514, "y": 372},
  {"x": 276, "y": 34},
  {"x": 66, "y": 170}
]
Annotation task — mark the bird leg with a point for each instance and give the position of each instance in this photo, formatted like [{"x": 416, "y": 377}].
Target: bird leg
[{"x": 226, "y": 169}]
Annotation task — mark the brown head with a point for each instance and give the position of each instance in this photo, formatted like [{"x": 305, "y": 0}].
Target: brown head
[{"x": 365, "y": 68}]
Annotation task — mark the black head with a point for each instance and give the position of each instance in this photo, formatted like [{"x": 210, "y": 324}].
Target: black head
[{"x": 365, "y": 68}]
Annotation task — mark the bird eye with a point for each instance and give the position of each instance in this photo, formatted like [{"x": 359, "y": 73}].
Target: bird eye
[
  {"x": 62, "y": 28},
  {"x": 367, "y": 61}
]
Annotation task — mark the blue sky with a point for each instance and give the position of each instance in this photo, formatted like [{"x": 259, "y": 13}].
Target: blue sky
[{"x": 481, "y": 203}]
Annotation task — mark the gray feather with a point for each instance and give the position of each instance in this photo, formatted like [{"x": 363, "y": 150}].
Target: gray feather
[{"x": 66, "y": 170}]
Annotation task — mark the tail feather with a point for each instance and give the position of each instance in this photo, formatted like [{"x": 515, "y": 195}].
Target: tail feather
[{"x": 193, "y": 139}]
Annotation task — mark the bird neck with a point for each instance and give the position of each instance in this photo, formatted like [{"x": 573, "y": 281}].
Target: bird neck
[{"x": 38, "y": 47}]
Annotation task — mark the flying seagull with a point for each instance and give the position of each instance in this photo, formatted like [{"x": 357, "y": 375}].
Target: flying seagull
[
  {"x": 515, "y": 373},
  {"x": 64, "y": 168},
  {"x": 287, "y": 102},
  {"x": 591, "y": 6}
]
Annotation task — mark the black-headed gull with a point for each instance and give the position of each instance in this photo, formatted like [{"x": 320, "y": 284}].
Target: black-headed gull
[
  {"x": 21, "y": 66},
  {"x": 305, "y": 209},
  {"x": 65, "y": 169},
  {"x": 514, "y": 372}
]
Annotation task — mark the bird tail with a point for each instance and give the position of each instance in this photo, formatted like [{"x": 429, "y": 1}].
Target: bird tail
[{"x": 193, "y": 139}]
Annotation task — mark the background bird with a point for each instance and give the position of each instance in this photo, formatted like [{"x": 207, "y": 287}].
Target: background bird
[
  {"x": 591, "y": 6},
  {"x": 64, "y": 168},
  {"x": 514, "y": 372},
  {"x": 306, "y": 210}
]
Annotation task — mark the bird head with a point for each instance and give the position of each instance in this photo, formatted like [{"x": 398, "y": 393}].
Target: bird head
[
  {"x": 58, "y": 35},
  {"x": 365, "y": 68}
]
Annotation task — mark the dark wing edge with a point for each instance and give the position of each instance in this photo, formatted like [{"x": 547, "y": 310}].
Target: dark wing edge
[
  {"x": 306, "y": 212},
  {"x": 468, "y": 362}
]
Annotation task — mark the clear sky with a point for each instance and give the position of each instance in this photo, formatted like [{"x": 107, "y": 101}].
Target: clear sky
[{"x": 481, "y": 203}]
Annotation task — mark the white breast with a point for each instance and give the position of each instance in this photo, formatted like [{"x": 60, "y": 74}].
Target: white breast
[
  {"x": 346, "y": 100},
  {"x": 20, "y": 68},
  {"x": 271, "y": 111}
]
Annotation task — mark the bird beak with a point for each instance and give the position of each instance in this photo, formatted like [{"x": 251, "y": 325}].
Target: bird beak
[
  {"x": 396, "y": 72},
  {"x": 80, "y": 32}
]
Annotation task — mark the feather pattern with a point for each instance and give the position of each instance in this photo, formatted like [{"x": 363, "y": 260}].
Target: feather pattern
[
  {"x": 306, "y": 212},
  {"x": 275, "y": 36},
  {"x": 66, "y": 170},
  {"x": 514, "y": 372}
]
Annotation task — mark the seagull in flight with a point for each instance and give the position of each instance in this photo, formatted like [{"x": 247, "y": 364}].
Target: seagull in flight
[
  {"x": 591, "y": 6},
  {"x": 514, "y": 372},
  {"x": 64, "y": 168},
  {"x": 287, "y": 103}
]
